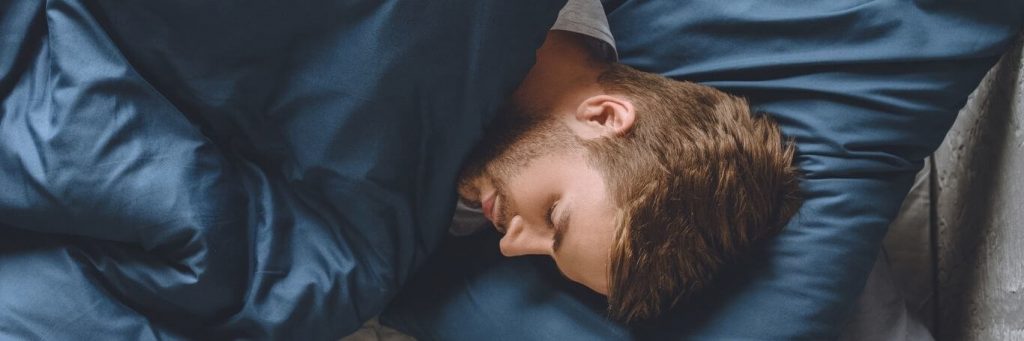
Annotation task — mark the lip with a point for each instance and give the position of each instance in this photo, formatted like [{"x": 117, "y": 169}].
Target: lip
[{"x": 487, "y": 206}]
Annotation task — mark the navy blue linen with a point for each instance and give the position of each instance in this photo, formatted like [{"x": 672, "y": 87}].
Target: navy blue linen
[
  {"x": 866, "y": 88},
  {"x": 263, "y": 169}
]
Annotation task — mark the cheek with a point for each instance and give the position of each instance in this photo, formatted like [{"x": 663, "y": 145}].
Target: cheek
[
  {"x": 541, "y": 175},
  {"x": 537, "y": 184},
  {"x": 539, "y": 139},
  {"x": 521, "y": 151}
]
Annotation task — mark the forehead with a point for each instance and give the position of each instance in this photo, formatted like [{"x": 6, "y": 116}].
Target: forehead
[{"x": 585, "y": 246}]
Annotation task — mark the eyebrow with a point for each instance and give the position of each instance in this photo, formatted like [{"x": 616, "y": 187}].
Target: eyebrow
[{"x": 560, "y": 226}]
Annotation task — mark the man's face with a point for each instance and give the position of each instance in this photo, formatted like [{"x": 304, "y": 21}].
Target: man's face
[{"x": 532, "y": 180}]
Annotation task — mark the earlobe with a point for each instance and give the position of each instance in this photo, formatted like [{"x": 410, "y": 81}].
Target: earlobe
[{"x": 605, "y": 116}]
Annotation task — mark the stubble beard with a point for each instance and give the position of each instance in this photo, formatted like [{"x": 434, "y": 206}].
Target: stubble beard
[{"x": 509, "y": 143}]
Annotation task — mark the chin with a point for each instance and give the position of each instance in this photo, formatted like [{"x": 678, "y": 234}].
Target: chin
[{"x": 467, "y": 191}]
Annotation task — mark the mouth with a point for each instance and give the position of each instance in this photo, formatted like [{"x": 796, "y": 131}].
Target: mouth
[
  {"x": 491, "y": 211},
  {"x": 487, "y": 206}
]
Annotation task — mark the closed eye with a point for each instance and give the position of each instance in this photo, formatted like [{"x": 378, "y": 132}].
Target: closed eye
[
  {"x": 551, "y": 215},
  {"x": 558, "y": 227}
]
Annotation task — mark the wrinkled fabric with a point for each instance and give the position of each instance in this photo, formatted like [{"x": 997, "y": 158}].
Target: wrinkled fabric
[
  {"x": 866, "y": 89},
  {"x": 270, "y": 169}
]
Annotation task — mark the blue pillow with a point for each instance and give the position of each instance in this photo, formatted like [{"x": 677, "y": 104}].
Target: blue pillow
[
  {"x": 257, "y": 170},
  {"x": 866, "y": 88}
]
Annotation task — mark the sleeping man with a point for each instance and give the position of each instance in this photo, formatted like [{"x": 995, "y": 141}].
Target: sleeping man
[{"x": 639, "y": 187}]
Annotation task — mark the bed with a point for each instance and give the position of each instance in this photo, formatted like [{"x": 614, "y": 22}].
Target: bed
[
  {"x": 192, "y": 170},
  {"x": 225, "y": 170}
]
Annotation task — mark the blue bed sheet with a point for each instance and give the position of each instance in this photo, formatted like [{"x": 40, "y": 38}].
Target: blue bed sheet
[{"x": 257, "y": 170}]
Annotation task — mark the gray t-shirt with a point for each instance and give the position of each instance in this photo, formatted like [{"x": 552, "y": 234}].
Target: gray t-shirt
[{"x": 585, "y": 17}]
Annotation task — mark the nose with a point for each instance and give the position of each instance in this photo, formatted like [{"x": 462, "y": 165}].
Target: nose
[{"x": 523, "y": 238}]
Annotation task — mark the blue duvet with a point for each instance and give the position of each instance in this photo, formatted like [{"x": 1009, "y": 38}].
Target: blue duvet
[{"x": 185, "y": 169}]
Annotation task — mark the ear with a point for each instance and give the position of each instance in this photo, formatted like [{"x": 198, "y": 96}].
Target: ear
[{"x": 604, "y": 116}]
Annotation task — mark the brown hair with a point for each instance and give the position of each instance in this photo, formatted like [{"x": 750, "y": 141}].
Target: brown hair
[{"x": 698, "y": 181}]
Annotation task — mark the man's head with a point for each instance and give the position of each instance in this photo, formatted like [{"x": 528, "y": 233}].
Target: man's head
[{"x": 640, "y": 190}]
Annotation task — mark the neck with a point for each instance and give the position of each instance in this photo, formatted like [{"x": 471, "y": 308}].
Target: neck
[{"x": 564, "y": 75}]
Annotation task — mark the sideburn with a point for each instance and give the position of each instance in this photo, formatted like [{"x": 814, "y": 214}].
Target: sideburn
[{"x": 512, "y": 140}]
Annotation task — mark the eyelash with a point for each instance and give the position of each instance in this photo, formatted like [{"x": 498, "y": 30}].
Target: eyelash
[{"x": 551, "y": 211}]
